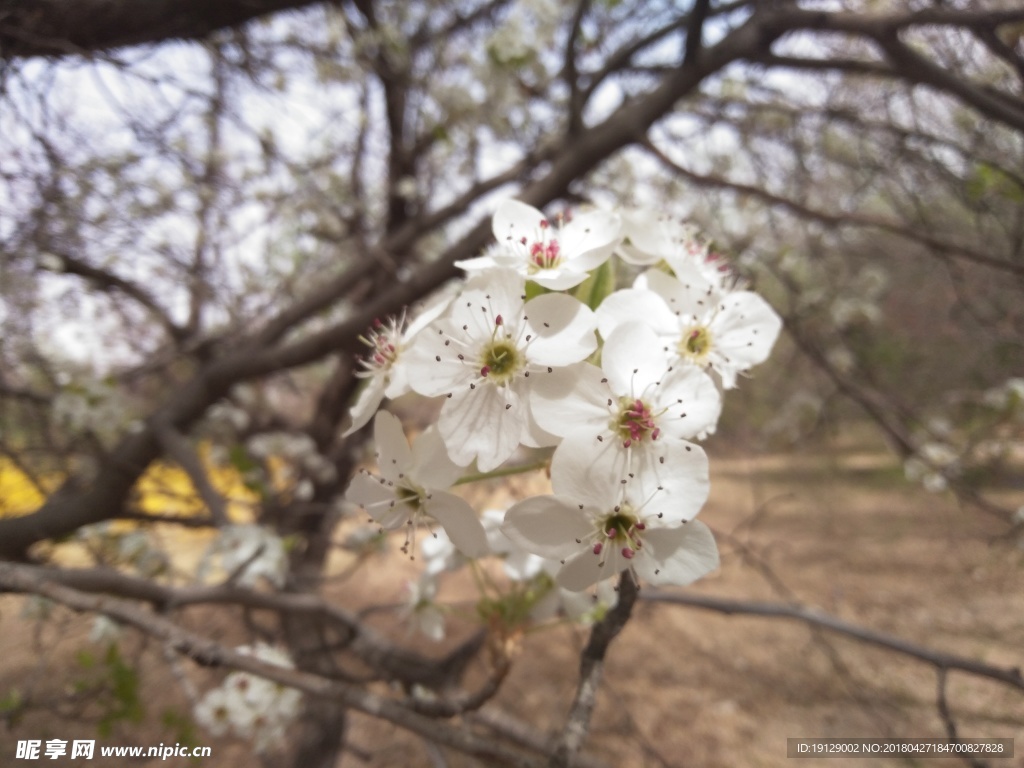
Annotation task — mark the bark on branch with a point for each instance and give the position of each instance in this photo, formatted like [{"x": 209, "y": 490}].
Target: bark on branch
[{"x": 79, "y": 27}]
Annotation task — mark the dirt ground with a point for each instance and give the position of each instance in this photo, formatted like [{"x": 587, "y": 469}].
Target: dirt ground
[{"x": 838, "y": 530}]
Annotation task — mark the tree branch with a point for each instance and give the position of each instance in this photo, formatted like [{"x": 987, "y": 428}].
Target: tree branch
[
  {"x": 695, "y": 31},
  {"x": 25, "y": 579},
  {"x": 591, "y": 667},
  {"x": 1010, "y": 676},
  {"x": 935, "y": 243},
  {"x": 62, "y": 28}
]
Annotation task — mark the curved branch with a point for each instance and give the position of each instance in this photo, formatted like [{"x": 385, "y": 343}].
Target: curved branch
[
  {"x": 1010, "y": 676},
  {"x": 937, "y": 244},
  {"x": 24, "y": 579},
  {"x": 108, "y": 281},
  {"x": 373, "y": 649}
]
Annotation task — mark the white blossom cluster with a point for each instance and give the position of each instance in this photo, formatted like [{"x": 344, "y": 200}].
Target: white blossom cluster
[
  {"x": 251, "y": 707},
  {"x": 537, "y": 350},
  {"x": 246, "y": 554}
]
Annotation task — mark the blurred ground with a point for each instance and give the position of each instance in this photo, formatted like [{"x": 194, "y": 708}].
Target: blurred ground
[{"x": 838, "y": 529}]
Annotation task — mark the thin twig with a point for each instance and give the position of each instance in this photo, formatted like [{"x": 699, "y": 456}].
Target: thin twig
[{"x": 1011, "y": 676}]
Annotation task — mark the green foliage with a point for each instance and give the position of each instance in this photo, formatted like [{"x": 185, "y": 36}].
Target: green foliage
[
  {"x": 512, "y": 609},
  {"x": 12, "y": 705},
  {"x": 989, "y": 181},
  {"x": 114, "y": 685},
  {"x": 181, "y": 727},
  {"x": 595, "y": 288},
  {"x": 533, "y": 290}
]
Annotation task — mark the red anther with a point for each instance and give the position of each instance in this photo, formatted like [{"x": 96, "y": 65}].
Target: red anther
[
  {"x": 695, "y": 333},
  {"x": 597, "y": 548},
  {"x": 498, "y": 321},
  {"x": 377, "y": 323},
  {"x": 610, "y": 533},
  {"x": 641, "y": 526},
  {"x": 626, "y": 443},
  {"x": 484, "y": 371},
  {"x": 628, "y": 552},
  {"x": 523, "y": 240},
  {"x": 655, "y": 433},
  {"x": 544, "y": 224}
]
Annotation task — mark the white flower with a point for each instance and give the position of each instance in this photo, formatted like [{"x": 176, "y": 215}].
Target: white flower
[
  {"x": 632, "y": 401},
  {"x": 696, "y": 323},
  {"x": 933, "y": 465},
  {"x": 104, "y": 630},
  {"x": 252, "y": 553},
  {"x": 410, "y": 488},
  {"x": 518, "y": 563},
  {"x": 652, "y": 238},
  {"x": 384, "y": 366},
  {"x": 214, "y": 711},
  {"x": 484, "y": 357},
  {"x": 440, "y": 554},
  {"x": 557, "y": 257},
  {"x": 422, "y": 613},
  {"x": 598, "y": 523},
  {"x": 251, "y": 706}
]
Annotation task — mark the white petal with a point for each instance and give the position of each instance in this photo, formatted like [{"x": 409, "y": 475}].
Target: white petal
[
  {"x": 459, "y": 521},
  {"x": 476, "y": 424},
  {"x": 477, "y": 263},
  {"x": 633, "y": 255},
  {"x": 647, "y": 235},
  {"x": 745, "y": 329},
  {"x": 670, "y": 479},
  {"x": 487, "y": 295},
  {"x": 430, "y": 310},
  {"x": 588, "y": 233},
  {"x": 680, "y": 555},
  {"x": 569, "y": 400},
  {"x": 592, "y": 259},
  {"x": 547, "y": 526},
  {"x": 560, "y": 278},
  {"x": 434, "y": 367},
  {"x": 366, "y": 404},
  {"x": 393, "y": 455},
  {"x": 588, "y": 471},
  {"x": 629, "y": 305},
  {"x": 379, "y": 501},
  {"x": 514, "y": 220},
  {"x": 690, "y": 295},
  {"x": 701, "y": 404},
  {"x": 561, "y": 329},
  {"x": 521, "y": 565},
  {"x": 584, "y": 570},
  {"x": 633, "y": 358},
  {"x": 534, "y": 436},
  {"x": 431, "y": 465}
]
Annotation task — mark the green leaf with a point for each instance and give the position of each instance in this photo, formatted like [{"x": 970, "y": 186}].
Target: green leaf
[
  {"x": 599, "y": 285},
  {"x": 533, "y": 290}
]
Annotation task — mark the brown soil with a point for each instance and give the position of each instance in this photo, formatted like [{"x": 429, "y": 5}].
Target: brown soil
[{"x": 838, "y": 530}]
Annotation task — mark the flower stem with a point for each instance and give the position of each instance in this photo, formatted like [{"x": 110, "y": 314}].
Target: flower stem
[{"x": 505, "y": 472}]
